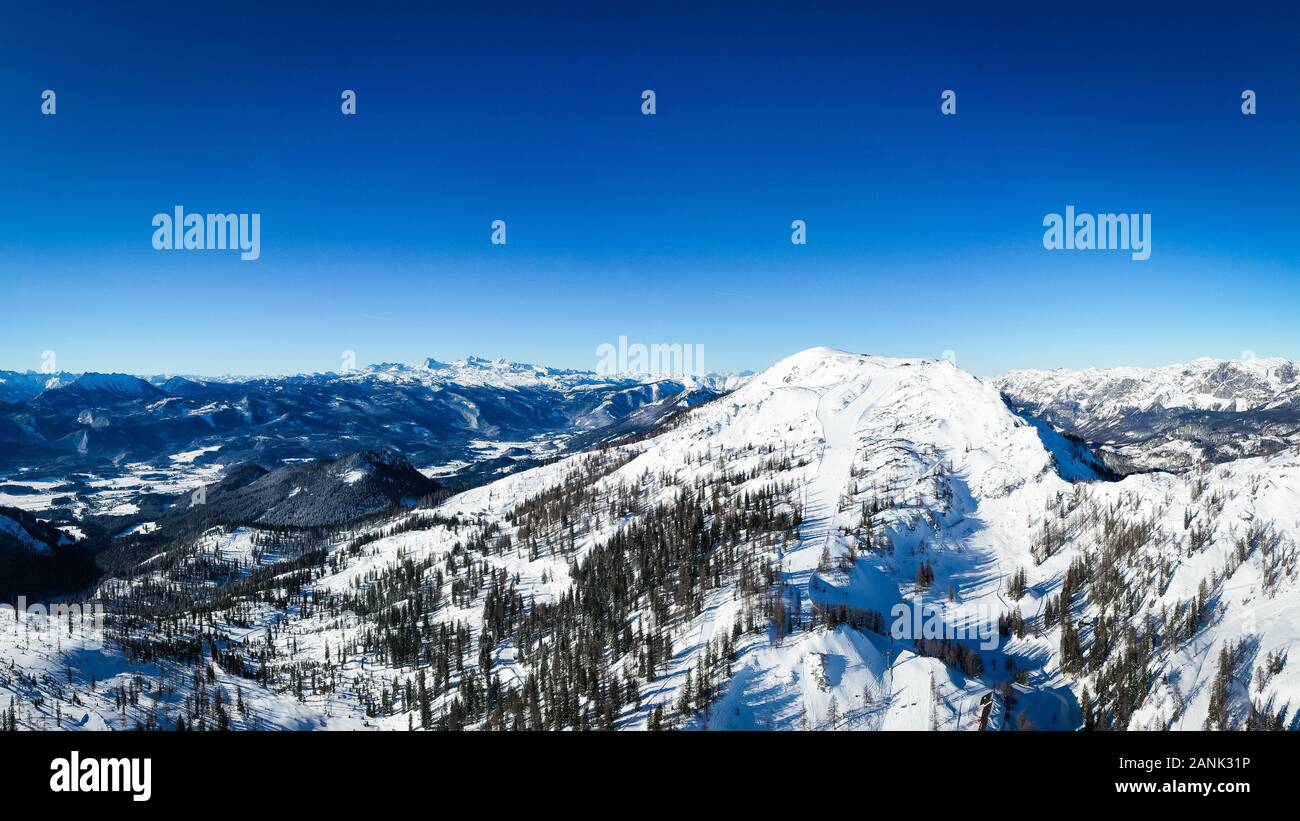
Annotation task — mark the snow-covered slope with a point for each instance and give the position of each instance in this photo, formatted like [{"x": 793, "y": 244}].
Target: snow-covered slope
[{"x": 12, "y": 532}]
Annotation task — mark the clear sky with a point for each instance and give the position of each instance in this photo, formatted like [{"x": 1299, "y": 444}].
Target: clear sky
[{"x": 924, "y": 231}]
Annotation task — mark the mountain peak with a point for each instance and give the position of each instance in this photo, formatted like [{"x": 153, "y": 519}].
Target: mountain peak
[{"x": 113, "y": 384}]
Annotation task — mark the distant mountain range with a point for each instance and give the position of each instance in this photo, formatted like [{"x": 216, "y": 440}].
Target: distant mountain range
[
  {"x": 474, "y": 412},
  {"x": 1170, "y": 417}
]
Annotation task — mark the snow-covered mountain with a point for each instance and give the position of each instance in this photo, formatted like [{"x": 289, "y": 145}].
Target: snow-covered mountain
[
  {"x": 1169, "y": 417},
  {"x": 844, "y": 541},
  {"x": 20, "y": 386}
]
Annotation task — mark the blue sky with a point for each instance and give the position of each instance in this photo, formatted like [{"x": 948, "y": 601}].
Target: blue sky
[{"x": 924, "y": 231}]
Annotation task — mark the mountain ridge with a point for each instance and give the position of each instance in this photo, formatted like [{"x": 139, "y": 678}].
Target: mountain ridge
[{"x": 1170, "y": 417}]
